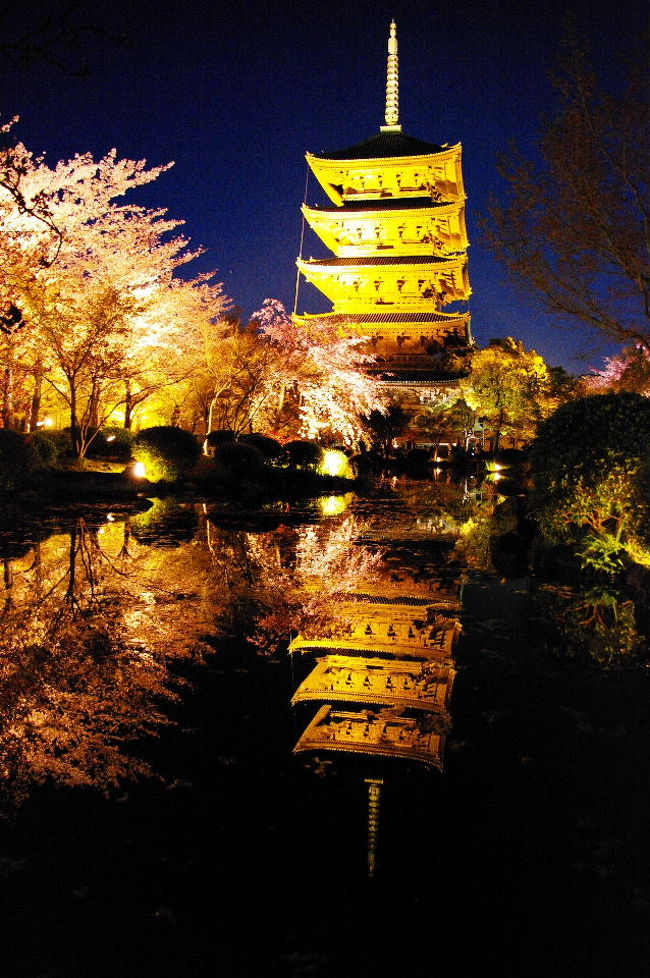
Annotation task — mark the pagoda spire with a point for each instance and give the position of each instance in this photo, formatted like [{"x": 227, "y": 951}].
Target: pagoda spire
[
  {"x": 392, "y": 82},
  {"x": 374, "y": 799}
]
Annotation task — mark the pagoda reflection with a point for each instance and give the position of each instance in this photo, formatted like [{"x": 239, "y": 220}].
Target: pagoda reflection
[
  {"x": 386, "y": 677},
  {"x": 384, "y": 671}
]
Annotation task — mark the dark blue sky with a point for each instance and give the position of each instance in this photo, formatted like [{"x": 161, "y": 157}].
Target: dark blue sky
[{"x": 236, "y": 94}]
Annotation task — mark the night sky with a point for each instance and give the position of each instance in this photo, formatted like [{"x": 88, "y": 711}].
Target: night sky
[{"x": 236, "y": 93}]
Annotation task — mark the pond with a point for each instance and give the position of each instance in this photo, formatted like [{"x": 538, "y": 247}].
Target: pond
[{"x": 421, "y": 781}]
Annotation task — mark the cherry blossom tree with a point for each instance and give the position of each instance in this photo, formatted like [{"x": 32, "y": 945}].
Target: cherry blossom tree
[
  {"x": 320, "y": 377},
  {"x": 628, "y": 371},
  {"x": 286, "y": 379},
  {"x": 92, "y": 624},
  {"x": 95, "y": 283}
]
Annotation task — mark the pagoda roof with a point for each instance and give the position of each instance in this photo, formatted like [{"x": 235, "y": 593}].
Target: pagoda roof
[
  {"x": 373, "y": 261},
  {"x": 384, "y": 732},
  {"x": 398, "y": 682},
  {"x": 388, "y": 204},
  {"x": 396, "y": 318},
  {"x": 415, "y": 377},
  {"x": 383, "y": 145}
]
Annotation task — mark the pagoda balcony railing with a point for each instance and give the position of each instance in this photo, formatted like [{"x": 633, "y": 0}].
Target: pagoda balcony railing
[{"x": 403, "y": 303}]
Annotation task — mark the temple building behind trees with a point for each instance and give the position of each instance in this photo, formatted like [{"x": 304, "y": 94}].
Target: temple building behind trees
[{"x": 397, "y": 272}]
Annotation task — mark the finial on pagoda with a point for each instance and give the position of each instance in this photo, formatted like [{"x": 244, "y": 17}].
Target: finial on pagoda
[{"x": 392, "y": 83}]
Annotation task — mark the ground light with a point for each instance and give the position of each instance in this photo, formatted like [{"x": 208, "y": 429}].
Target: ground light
[
  {"x": 335, "y": 463},
  {"x": 136, "y": 470}
]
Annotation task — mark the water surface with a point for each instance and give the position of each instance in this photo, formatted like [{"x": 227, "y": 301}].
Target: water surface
[{"x": 164, "y": 824}]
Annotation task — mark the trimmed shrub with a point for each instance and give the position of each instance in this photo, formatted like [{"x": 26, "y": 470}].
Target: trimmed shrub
[
  {"x": 271, "y": 450},
  {"x": 46, "y": 447},
  {"x": 304, "y": 454},
  {"x": 18, "y": 458},
  {"x": 61, "y": 439},
  {"x": 239, "y": 458},
  {"x": 166, "y": 452},
  {"x": 589, "y": 436},
  {"x": 114, "y": 443},
  {"x": 216, "y": 438}
]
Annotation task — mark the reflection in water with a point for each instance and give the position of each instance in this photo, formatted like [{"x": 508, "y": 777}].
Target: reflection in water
[
  {"x": 334, "y": 505},
  {"x": 386, "y": 733},
  {"x": 91, "y": 623},
  {"x": 390, "y": 632},
  {"x": 602, "y": 624},
  {"x": 529, "y": 837}
]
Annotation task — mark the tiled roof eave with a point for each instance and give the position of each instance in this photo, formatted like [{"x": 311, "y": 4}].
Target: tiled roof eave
[
  {"x": 406, "y": 381},
  {"x": 393, "y": 205},
  {"x": 382, "y": 260},
  {"x": 382, "y": 146},
  {"x": 397, "y": 318}
]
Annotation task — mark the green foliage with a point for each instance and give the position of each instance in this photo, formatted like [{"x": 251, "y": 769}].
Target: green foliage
[
  {"x": 46, "y": 447},
  {"x": 112, "y": 443},
  {"x": 304, "y": 454},
  {"x": 591, "y": 432},
  {"x": 166, "y": 452},
  {"x": 598, "y": 625},
  {"x": 590, "y": 464},
  {"x": 62, "y": 440},
  {"x": 18, "y": 458},
  {"x": 510, "y": 388}
]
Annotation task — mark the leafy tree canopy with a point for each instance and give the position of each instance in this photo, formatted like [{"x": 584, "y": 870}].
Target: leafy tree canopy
[{"x": 590, "y": 463}]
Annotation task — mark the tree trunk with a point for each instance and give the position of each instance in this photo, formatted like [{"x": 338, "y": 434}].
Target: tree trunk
[
  {"x": 128, "y": 406},
  {"x": 93, "y": 414},
  {"x": 35, "y": 409},
  {"x": 8, "y": 398},
  {"x": 75, "y": 430},
  {"x": 497, "y": 434}
]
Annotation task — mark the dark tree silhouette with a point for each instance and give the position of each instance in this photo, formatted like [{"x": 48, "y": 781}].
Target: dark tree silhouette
[{"x": 573, "y": 225}]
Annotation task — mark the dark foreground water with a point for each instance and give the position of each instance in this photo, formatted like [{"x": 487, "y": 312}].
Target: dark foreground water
[{"x": 125, "y": 652}]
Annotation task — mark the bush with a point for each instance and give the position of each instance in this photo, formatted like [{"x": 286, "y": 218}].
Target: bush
[
  {"x": 18, "y": 458},
  {"x": 304, "y": 454},
  {"x": 215, "y": 438},
  {"x": 589, "y": 464},
  {"x": 46, "y": 447},
  {"x": 271, "y": 450},
  {"x": 61, "y": 440},
  {"x": 166, "y": 452},
  {"x": 588, "y": 435},
  {"x": 116, "y": 443},
  {"x": 239, "y": 458}
]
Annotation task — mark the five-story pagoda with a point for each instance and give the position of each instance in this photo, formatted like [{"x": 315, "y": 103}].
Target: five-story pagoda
[{"x": 397, "y": 232}]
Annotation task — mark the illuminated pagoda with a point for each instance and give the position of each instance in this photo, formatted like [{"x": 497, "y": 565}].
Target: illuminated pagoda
[
  {"x": 396, "y": 231},
  {"x": 354, "y": 679},
  {"x": 380, "y": 732},
  {"x": 390, "y": 669}
]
